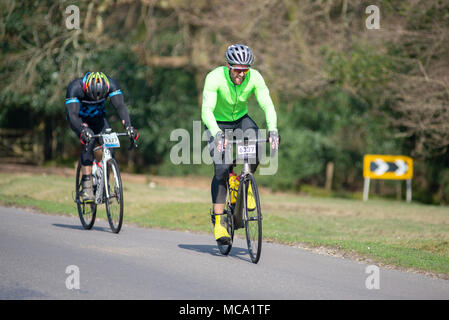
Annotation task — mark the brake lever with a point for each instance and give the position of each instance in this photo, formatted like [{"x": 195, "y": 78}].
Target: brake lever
[
  {"x": 223, "y": 145},
  {"x": 133, "y": 143},
  {"x": 277, "y": 144}
]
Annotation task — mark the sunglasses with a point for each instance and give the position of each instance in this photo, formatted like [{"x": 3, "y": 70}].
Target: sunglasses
[{"x": 239, "y": 70}]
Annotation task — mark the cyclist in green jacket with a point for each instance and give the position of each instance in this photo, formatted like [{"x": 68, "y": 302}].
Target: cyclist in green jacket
[{"x": 226, "y": 91}]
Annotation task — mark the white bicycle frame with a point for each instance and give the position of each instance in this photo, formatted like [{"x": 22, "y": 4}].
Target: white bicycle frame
[{"x": 103, "y": 179}]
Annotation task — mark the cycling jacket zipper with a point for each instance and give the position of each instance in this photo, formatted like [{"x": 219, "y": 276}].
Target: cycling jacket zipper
[{"x": 235, "y": 103}]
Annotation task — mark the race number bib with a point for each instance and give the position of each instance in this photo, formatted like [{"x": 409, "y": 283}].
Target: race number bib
[
  {"x": 111, "y": 140},
  {"x": 249, "y": 151}
]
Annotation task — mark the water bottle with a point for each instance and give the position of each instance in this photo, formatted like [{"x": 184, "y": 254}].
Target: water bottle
[
  {"x": 233, "y": 186},
  {"x": 94, "y": 173},
  {"x": 97, "y": 172},
  {"x": 99, "y": 181}
]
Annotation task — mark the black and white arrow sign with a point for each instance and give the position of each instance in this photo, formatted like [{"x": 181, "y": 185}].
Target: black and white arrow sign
[
  {"x": 402, "y": 167},
  {"x": 380, "y": 167}
]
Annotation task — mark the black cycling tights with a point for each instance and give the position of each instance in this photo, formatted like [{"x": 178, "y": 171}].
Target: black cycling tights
[{"x": 222, "y": 167}]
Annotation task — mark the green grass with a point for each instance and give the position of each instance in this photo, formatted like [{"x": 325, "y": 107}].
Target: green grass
[{"x": 406, "y": 235}]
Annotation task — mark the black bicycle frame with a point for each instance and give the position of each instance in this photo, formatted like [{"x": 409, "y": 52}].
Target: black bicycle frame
[{"x": 246, "y": 170}]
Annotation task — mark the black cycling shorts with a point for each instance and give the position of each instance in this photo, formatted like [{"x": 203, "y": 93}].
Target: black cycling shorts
[{"x": 222, "y": 168}]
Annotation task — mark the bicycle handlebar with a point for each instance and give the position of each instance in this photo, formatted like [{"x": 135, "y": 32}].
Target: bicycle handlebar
[
  {"x": 102, "y": 134},
  {"x": 248, "y": 141},
  {"x": 119, "y": 134}
]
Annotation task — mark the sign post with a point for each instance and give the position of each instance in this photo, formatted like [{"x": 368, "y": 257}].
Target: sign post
[
  {"x": 365, "y": 189},
  {"x": 388, "y": 167}
]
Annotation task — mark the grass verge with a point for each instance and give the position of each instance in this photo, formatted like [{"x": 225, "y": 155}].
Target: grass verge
[{"x": 392, "y": 233}]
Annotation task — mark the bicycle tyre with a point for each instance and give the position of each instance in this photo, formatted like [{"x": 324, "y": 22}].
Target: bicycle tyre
[
  {"x": 252, "y": 220},
  {"x": 86, "y": 211},
  {"x": 114, "y": 204}
]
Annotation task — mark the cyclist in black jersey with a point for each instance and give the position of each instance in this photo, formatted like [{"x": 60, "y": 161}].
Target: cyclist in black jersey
[{"x": 85, "y": 102}]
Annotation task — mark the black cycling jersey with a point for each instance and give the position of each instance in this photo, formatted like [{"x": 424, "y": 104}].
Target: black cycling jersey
[{"x": 82, "y": 109}]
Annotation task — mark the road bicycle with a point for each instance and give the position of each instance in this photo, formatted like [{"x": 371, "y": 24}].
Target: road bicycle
[
  {"x": 239, "y": 215},
  {"x": 106, "y": 181}
]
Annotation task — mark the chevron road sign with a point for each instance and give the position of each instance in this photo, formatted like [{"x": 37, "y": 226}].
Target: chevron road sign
[
  {"x": 376, "y": 166},
  {"x": 387, "y": 167}
]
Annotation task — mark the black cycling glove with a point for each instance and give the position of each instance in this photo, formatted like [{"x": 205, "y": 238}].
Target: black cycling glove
[
  {"x": 86, "y": 135},
  {"x": 132, "y": 133},
  {"x": 276, "y": 139},
  {"x": 220, "y": 137}
]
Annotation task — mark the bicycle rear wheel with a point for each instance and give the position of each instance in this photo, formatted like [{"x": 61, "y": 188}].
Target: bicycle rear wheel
[
  {"x": 252, "y": 218},
  {"x": 114, "y": 203},
  {"x": 86, "y": 211}
]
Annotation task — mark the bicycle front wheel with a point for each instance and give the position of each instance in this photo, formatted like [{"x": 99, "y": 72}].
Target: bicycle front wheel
[
  {"x": 86, "y": 211},
  {"x": 114, "y": 202},
  {"x": 252, "y": 218}
]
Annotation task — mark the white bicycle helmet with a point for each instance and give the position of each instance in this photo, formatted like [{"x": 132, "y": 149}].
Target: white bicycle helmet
[{"x": 239, "y": 54}]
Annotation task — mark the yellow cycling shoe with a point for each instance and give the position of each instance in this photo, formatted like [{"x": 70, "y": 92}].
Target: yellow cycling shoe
[
  {"x": 87, "y": 193},
  {"x": 220, "y": 232},
  {"x": 251, "y": 202}
]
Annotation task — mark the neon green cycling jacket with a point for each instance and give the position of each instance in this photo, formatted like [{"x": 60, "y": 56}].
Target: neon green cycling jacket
[{"x": 225, "y": 101}]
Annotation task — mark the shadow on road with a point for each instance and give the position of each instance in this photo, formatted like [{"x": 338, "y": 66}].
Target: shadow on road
[
  {"x": 19, "y": 293},
  {"x": 71, "y": 226},
  {"x": 236, "y": 252}
]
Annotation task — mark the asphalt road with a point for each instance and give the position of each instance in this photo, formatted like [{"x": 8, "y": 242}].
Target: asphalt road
[{"x": 47, "y": 256}]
